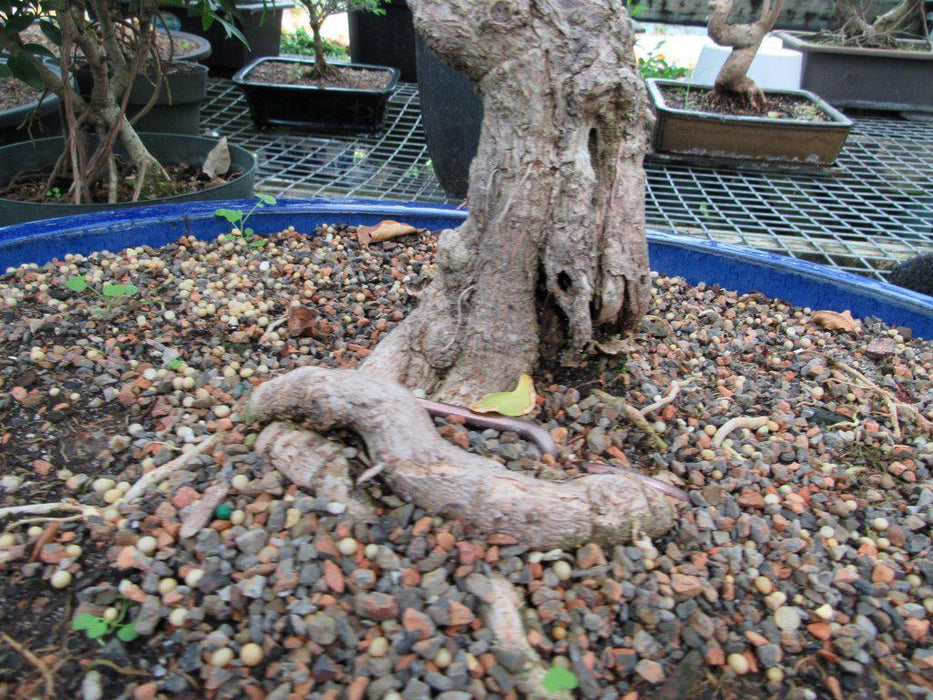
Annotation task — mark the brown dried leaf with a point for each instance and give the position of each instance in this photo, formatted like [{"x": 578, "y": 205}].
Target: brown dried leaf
[
  {"x": 303, "y": 323},
  {"x": 383, "y": 231},
  {"x": 835, "y": 321}
]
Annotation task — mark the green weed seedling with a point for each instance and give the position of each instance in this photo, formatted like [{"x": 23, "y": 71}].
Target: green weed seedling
[
  {"x": 238, "y": 220},
  {"x": 109, "y": 291},
  {"x": 99, "y": 627},
  {"x": 558, "y": 679}
]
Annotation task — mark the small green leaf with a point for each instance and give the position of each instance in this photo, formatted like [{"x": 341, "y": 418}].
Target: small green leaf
[
  {"x": 231, "y": 215},
  {"x": 127, "y": 632},
  {"x": 77, "y": 284},
  {"x": 248, "y": 232},
  {"x": 120, "y": 290},
  {"x": 509, "y": 403},
  {"x": 258, "y": 243},
  {"x": 265, "y": 198},
  {"x": 558, "y": 679},
  {"x": 51, "y": 31},
  {"x": 84, "y": 621},
  {"x": 175, "y": 364},
  {"x": 39, "y": 50}
]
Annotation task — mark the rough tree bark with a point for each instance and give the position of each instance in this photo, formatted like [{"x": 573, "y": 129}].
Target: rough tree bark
[
  {"x": 732, "y": 83},
  {"x": 553, "y": 255}
]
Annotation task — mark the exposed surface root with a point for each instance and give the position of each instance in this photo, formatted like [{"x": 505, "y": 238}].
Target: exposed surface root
[
  {"x": 312, "y": 462},
  {"x": 423, "y": 468},
  {"x": 501, "y": 606}
]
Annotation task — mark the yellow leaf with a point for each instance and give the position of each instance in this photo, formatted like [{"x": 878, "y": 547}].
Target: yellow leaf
[{"x": 509, "y": 403}]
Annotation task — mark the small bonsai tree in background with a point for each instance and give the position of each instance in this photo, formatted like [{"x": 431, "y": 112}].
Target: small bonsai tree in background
[
  {"x": 733, "y": 84},
  {"x": 117, "y": 45},
  {"x": 856, "y": 29},
  {"x": 318, "y": 11}
]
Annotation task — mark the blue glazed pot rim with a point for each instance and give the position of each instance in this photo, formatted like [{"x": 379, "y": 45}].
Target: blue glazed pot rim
[{"x": 736, "y": 268}]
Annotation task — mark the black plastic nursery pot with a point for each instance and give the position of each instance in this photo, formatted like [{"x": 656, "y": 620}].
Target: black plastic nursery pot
[
  {"x": 13, "y": 126},
  {"x": 740, "y": 269},
  {"x": 326, "y": 109},
  {"x": 177, "y": 109},
  {"x": 260, "y": 23},
  {"x": 452, "y": 116},
  {"x": 698, "y": 133},
  {"x": 880, "y": 79},
  {"x": 168, "y": 148},
  {"x": 385, "y": 40}
]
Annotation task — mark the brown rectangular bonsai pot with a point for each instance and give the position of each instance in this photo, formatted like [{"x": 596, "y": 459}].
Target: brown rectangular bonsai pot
[
  {"x": 846, "y": 76},
  {"x": 699, "y": 133}
]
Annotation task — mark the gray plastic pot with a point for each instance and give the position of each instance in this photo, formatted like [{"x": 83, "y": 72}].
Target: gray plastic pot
[
  {"x": 178, "y": 107},
  {"x": 49, "y": 119},
  {"x": 168, "y": 148}
]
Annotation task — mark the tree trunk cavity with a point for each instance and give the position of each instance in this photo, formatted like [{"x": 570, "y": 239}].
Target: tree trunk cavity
[
  {"x": 552, "y": 258},
  {"x": 732, "y": 83}
]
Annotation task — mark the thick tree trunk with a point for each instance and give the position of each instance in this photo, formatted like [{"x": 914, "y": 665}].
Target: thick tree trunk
[
  {"x": 732, "y": 83},
  {"x": 553, "y": 255}
]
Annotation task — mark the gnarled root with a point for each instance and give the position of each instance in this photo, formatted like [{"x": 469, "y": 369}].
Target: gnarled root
[
  {"x": 423, "y": 468},
  {"x": 501, "y": 612},
  {"x": 312, "y": 462}
]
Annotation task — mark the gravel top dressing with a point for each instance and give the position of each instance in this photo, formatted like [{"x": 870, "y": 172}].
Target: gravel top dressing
[{"x": 800, "y": 566}]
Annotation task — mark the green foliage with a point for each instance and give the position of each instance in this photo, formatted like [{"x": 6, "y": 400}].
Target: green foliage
[
  {"x": 319, "y": 10},
  {"x": 108, "y": 291},
  {"x": 301, "y": 43},
  {"x": 177, "y": 363},
  {"x": 98, "y": 627},
  {"x": 656, "y": 65},
  {"x": 558, "y": 679},
  {"x": 238, "y": 219}
]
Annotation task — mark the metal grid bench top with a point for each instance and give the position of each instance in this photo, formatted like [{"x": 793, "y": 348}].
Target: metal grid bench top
[{"x": 874, "y": 207}]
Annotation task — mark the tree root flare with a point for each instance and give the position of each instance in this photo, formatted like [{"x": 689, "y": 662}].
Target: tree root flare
[{"x": 421, "y": 467}]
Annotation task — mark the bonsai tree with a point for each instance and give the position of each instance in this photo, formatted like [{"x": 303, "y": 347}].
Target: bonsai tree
[
  {"x": 855, "y": 28},
  {"x": 551, "y": 263},
  {"x": 733, "y": 86},
  {"x": 116, "y": 46},
  {"x": 318, "y": 11}
]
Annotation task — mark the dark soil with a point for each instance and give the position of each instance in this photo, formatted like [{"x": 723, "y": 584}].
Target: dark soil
[
  {"x": 169, "y": 48},
  {"x": 14, "y": 93},
  {"x": 290, "y": 73},
  {"x": 184, "y": 178},
  {"x": 703, "y": 99}
]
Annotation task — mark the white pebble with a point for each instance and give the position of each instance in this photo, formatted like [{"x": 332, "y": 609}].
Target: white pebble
[
  {"x": 147, "y": 545},
  {"x": 222, "y": 657},
  {"x": 787, "y": 618},
  {"x": 880, "y": 524},
  {"x": 177, "y": 617},
  {"x": 193, "y": 578},
  {"x": 7, "y": 540},
  {"x": 240, "y": 482},
  {"x": 167, "y": 585},
  {"x": 61, "y": 579},
  {"x": 251, "y": 654},
  {"x": 738, "y": 664},
  {"x": 347, "y": 546},
  {"x": 103, "y": 485},
  {"x": 825, "y": 612},
  {"x": 221, "y": 411},
  {"x": 562, "y": 570}
]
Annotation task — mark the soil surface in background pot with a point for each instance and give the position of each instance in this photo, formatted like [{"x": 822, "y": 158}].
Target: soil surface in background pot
[
  {"x": 830, "y": 38},
  {"x": 14, "y": 93},
  {"x": 183, "y": 178},
  {"x": 170, "y": 48},
  {"x": 701, "y": 99},
  {"x": 802, "y": 561},
  {"x": 290, "y": 73}
]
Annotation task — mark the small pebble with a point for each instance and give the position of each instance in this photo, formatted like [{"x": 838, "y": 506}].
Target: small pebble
[
  {"x": 738, "y": 663},
  {"x": 222, "y": 657},
  {"x": 61, "y": 579},
  {"x": 251, "y": 654}
]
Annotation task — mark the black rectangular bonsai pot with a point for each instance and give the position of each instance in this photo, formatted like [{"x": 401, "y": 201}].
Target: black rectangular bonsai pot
[
  {"x": 884, "y": 79},
  {"x": 326, "y": 109},
  {"x": 15, "y": 124},
  {"x": 698, "y": 133}
]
